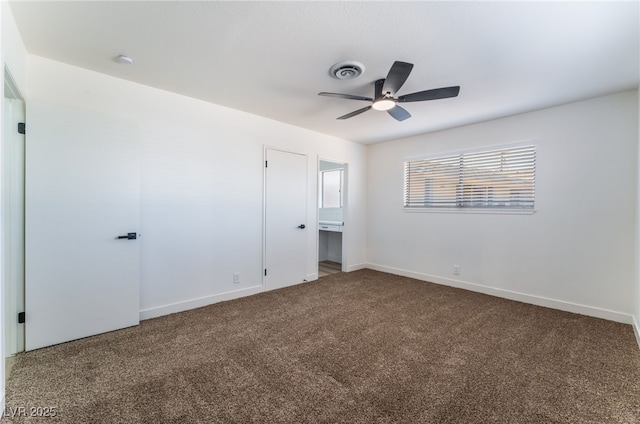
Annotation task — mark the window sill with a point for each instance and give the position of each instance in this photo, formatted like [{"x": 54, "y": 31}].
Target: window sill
[{"x": 472, "y": 211}]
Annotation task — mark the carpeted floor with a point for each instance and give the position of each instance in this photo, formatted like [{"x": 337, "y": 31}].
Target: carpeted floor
[{"x": 361, "y": 347}]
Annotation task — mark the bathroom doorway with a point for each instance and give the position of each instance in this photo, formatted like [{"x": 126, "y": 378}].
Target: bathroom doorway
[{"x": 332, "y": 199}]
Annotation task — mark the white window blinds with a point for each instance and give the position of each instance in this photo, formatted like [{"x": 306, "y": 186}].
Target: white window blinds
[{"x": 494, "y": 179}]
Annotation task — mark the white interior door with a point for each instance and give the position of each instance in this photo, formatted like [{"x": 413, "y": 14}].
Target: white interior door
[
  {"x": 286, "y": 223},
  {"x": 82, "y": 191},
  {"x": 13, "y": 223}
]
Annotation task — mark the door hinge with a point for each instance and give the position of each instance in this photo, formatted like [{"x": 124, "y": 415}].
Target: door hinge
[
  {"x": 265, "y": 272},
  {"x": 22, "y": 129},
  {"x": 266, "y": 164},
  {"x": 21, "y": 317}
]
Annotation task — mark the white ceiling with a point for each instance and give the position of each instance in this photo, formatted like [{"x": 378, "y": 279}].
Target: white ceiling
[{"x": 272, "y": 58}]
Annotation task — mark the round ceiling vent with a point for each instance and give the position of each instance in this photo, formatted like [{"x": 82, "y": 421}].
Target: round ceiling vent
[{"x": 346, "y": 70}]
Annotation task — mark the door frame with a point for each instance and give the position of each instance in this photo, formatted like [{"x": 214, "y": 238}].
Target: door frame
[
  {"x": 13, "y": 302},
  {"x": 345, "y": 206},
  {"x": 266, "y": 148}
]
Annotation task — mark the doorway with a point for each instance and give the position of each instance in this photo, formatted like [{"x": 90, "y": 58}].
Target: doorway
[{"x": 332, "y": 177}]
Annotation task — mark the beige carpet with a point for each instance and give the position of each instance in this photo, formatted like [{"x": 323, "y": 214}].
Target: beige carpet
[{"x": 363, "y": 347}]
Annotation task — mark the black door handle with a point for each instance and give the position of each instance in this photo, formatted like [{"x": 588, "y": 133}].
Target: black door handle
[
  {"x": 302, "y": 226},
  {"x": 129, "y": 236}
]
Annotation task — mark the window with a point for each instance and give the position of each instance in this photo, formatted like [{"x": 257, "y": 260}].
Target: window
[
  {"x": 331, "y": 193},
  {"x": 493, "y": 179}
]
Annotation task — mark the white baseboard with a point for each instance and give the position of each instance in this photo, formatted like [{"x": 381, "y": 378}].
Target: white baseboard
[
  {"x": 312, "y": 277},
  {"x": 357, "y": 267},
  {"x": 512, "y": 295},
  {"x": 197, "y": 303},
  {"x": 636, "y": 329}
]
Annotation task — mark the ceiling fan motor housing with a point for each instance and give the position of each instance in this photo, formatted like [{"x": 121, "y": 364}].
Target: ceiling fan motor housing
[{"x": 346, "y": 70}]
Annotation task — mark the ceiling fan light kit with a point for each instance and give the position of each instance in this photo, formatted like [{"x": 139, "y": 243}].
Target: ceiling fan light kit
[
  {"x": 383, "y": 104},
  {"x": 386, "y": 90}
]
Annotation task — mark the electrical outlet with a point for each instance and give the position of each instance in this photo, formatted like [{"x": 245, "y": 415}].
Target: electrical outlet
[
  {"x": 456, "y": 270},
  {"x": 236, "y": 277}
]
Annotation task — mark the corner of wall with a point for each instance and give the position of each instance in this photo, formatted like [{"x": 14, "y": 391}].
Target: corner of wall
[{"x": 14, "y": 52}]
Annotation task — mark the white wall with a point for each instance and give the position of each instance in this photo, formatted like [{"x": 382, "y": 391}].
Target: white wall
[
  {"x": 637, "y": 256},
  {"x": 14, "y": 53},
  {"x": 2, "y": 230},
  {"x": 637, "y": 316},
  {"x": 577, "y": 252},
  {"x": 201, "y": 183}
]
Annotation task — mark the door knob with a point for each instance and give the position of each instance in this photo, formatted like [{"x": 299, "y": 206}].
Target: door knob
[
  {"x": 129, "y": 236},
  {"x": 302, "y": 226}
]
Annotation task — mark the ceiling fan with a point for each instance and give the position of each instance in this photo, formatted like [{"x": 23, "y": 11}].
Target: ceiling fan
[{"x": 386, "y": 90}]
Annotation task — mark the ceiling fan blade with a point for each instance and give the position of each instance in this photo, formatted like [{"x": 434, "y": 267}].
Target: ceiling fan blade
[
  {"x": 345, "y": 96},
  {"x": 398, "y": 113},
  {"x": 435, "y": 94},
  {"x": 398, "y": 74},
  {"x": 357, "y": 112}
]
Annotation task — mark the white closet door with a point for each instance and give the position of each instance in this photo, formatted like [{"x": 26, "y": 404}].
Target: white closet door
[
  {"x": 286, "y": 223},
  {"x": 82, "y": 191},
  {"x": 13, "y": 222}
]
